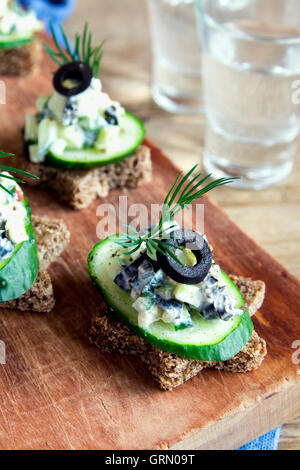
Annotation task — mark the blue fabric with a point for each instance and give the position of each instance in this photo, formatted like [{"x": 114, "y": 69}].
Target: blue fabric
[
  {"x": 267, "y": 442},
  {"x": 58, "y": 11}
]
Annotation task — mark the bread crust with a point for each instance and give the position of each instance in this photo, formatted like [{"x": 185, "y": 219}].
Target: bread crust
[
  {"x": 167, "y": 369},
  {"x": 52, "y": 237},
  {"x": 40, "y": 298},
  {"x": 20, "y": 61},
  {"x": 252, "y": 291},
  {"x": 79, "y": 188}
]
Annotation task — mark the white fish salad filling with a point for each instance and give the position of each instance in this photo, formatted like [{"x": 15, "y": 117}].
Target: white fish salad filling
[
  {"x": 17, "y": 21},
  {"x": 87, "y": 120},
  {"x": 158, "y": 297},
  {"x": 12, "y": 217}
]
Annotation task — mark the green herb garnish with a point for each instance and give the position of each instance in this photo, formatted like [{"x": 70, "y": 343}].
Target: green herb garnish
[
  {"x": 82, "y": 52},
  {"x": 183, "y": 192},
  {"x": 12, "y": 170}
]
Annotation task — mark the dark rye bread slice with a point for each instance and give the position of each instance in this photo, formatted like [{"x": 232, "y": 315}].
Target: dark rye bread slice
[
  {"x": 40, "y": 298},
  {"x": 52, "y": 236},
  {"x": 169, "y": 370},
  {"x": 79, "y": 188},
  {"x": 20, "y": 61},
  {"x": 252, "y": 291}
]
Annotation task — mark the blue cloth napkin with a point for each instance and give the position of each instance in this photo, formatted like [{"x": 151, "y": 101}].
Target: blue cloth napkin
[
  {"x": 268, "y": 441},
  {"x": 58, "y": 11}
]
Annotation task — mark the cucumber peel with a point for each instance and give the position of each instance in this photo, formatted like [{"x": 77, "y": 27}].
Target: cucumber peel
[
  {"x": 20, "y": 270},
  {"x": 206, "y": 340},
  {"x": 131, "y": 136},
  {"x": 8, "y": 41}
]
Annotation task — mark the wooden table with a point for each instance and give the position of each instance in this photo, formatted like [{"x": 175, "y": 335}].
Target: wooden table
[{"x": 271, "y": 216}]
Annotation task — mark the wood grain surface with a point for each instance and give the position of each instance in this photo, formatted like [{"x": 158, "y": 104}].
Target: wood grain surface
[
  {"x": 269, "y": 216},
  {"x": 58, "y": 392}
]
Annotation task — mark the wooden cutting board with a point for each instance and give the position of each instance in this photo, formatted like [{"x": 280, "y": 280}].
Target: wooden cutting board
[{"x": 57, "y": 391}]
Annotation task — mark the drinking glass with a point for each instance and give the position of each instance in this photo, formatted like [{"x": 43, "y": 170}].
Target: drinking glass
[
  {"x": 251, "y": 71},
  {"x": 176, "y": 65}
]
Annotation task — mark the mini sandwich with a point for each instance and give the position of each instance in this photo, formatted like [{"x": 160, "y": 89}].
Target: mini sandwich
[
  {"x": 28, "y": 245},
  {"x": 167, "y": 301},
  {"x": 81, "y": 142},
  {"x": 20, "y": 51}
]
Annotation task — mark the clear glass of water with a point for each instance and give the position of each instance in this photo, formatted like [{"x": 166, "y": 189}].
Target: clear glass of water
[
  {"x": 251, "y": 65},
  {"x": 176, "y": 66}
]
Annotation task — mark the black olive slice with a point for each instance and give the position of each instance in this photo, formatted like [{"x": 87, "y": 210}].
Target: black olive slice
[
  {"x": 80, "y": 72},
  {"x": 198, "y": 245},
  {"x": 110, "y": 116},
  {"x": 137, "y": 274}
]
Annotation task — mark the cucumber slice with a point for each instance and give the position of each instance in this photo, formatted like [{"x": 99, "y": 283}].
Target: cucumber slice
[
  {"x": 106, "y": 138},
  {"x": 233, "y": 290},
  {"x": 74, "y": 137},
  {"x": 185, "y": 321},
  {"x": 41, "y": 102},
  {"x": 189, "y": 294},
  {"x": 20, "y": 270},
  {"x": 206, "y": 340},
  {"x": 57, "y": 104},
  {"x": 9, "y": 41},
  {"x": 33, "y": 150},
  {"x": 48, "y": 132},
  {"x": 31, "y": 128},
  {"x": 131, "y": 136},
  {"x": 58, "y": 146}
]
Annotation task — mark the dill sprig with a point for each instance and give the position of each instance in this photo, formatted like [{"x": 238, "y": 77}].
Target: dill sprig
[
  {"x": 185, "y": 190},
  {"x": 12, "y": 170},
  {"x": 83, "y": 51}
]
